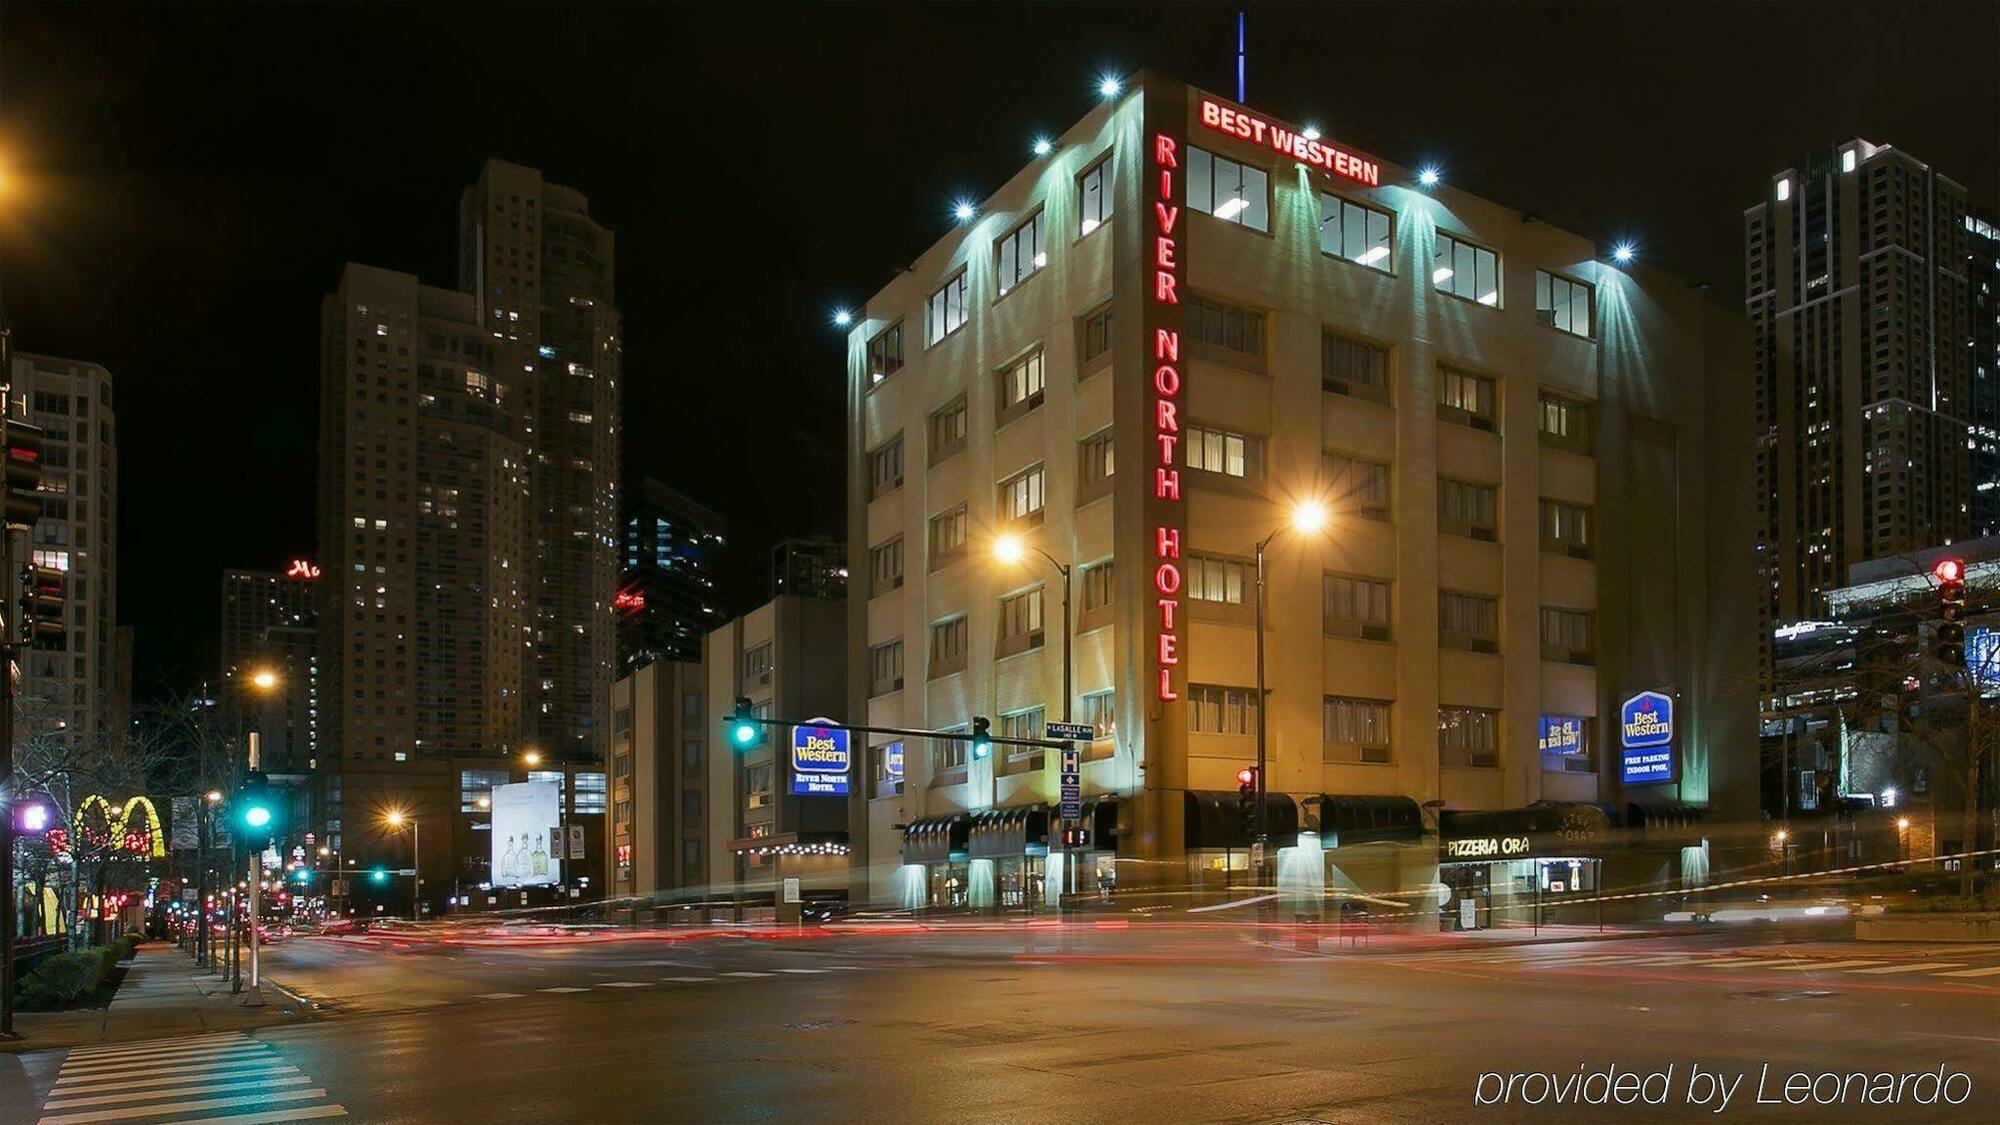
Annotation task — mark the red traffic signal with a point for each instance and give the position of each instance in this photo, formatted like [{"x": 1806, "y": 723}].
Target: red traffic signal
[
  {"x": 1246, "y": 778},
  {"x": 1949, "y": 570}
]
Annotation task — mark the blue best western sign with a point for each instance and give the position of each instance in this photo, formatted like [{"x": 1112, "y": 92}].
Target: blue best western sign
[
  {"x": 820, "y": 761},
  {"x": 1646, "y": 737}
]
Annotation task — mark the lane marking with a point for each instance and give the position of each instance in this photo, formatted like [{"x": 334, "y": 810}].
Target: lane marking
[
  {"x": 1929, "y": 968},
  {"x": 114, "y": 1082},
  {"x": 302, "y": 1113},
  {"x": 125, "y": 1113},
  {"x": 1815, "y": 966},
  {"x": 498, "y": 996},
  {"x": 1990, "y": 970},
  {"x": 626, "y": 984},
  {"x": 802, "y": 970},
  {"x": 689, "y": 980},
  {"x": 186, "y": 1091},
  {"x": 1730, "y": 964},
  {"x": 741, "y": 973},
  {"x": 562, "y": 990}
]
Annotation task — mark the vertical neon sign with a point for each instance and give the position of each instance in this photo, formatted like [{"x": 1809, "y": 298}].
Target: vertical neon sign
[{"x": 1166, "y": 348}]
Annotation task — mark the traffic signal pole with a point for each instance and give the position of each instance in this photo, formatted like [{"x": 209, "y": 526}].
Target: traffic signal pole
[{"x": 256, "y": 997}]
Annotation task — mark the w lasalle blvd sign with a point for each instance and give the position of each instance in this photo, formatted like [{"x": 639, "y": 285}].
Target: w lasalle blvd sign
[
  {"x": 1646, "y": 739},
  {"x": 821, "y": 761}
]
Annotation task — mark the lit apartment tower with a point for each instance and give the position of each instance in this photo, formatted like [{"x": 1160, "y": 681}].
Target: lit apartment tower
[
  {"x": 809, "y": 567},
  {"x": 669, "y": 593},
  {"x": 540, "y": 272},
  {"x": 1138, "y": 354},
  {"x": 256, "y": 600},
  {"x": 1983, "y": 292},
  {"x": 71, "y": 690},
  {"x": 423, "y": 497},
  {"x": 269, "y": 624},
  {"x": 1854, "y": 275}
]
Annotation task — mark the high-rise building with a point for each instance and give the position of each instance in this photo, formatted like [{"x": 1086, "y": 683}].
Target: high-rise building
[
  {"x": 540, "y": 272},
  {"x": 658, "y": 835},
  {"x": 71, "y": 691},
  {"x": 1982, "y": 287},
  {"x": 1855, "y": 286},
  {"x": 270, "y": 625},
  {"x": 670, "y": 592},
  {"x": 256, "y": 600},
  {"x": 809, "y": 567},
  {"x": 1147, "y": 351}
]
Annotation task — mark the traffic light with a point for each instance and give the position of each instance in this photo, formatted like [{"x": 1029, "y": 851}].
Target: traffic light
[
  {"x": 302, "y": 875},
  {"x": 1246, "y": 799},
  {"x": 379, "y": 875},
  {"x": 1076, "y": 837},
  {"x": 255, "y": 812},
  {"x": 24, "y": 474},
  {"x": 982, "y": 738},
  {"x": 33, "y": 816},
  {"x": 1950, "y": 575},
  {"x": 744, "y": 730},
  {"x": 42, "y": 603}
]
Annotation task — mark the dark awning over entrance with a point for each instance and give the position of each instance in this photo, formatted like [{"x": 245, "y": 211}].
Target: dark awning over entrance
[
  {"x": 1545, "y": 828},
  {"x": 1100, "y": 815},
  {"x": 1008, "y": 833},
  {"x": 1346, "y": 820},
  {"x": 934, "y": 839},
  {"x": 1213, "y": 821},
  {"x": 1665, "y": 821}
]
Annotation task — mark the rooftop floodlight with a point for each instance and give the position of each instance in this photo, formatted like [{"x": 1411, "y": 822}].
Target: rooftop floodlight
[
  {"x": 842, "y": 318},
  {"x": 1429, "y": 175},
  {"x": 1043, "y": 146},
  {"x": 1109, "y": 85},
  {"x": 963, "y": 211},
  {"x": 1311, "y": 132},
  {"x": 1624, "y": 252}
]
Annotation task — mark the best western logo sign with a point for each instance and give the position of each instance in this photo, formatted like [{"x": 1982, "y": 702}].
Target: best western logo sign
[
  {"x": 1308, "y": 151},
  {"x": 1646, "y": 733},
  {"x": 820, "y": 759}
]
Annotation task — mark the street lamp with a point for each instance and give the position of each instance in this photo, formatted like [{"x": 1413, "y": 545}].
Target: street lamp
[
  {"x": 1308, "y": 518},
  {"x": 531, "y": 758},
  {"x": 396, "y": 818},
  {"x": 1009, "y": 549}
]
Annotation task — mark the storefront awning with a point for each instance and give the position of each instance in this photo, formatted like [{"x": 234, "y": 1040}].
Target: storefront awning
[
  {"x": 1346, "y": 820},
  {"x": 1213, "y": 822},
  {"x": 1009, "y": 833},
  {"x": 934, "y": 839},
  {"x": 1545, "y": 828},
  {"x": 1664, "y": 821}
]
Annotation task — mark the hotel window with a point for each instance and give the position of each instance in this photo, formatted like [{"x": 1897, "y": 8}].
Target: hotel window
[
  {"x": 1355, "y": 607},
  {"x": 756, "y": 664},
  {"x": 1021, "y": 497},
  {"x": 1100, "y": 710},
  {"x": 1565, "y": 743},
  {"x": 1564, "y": 423},
  {"x": 1235, "y": 193},
  {"x": 885, "y": 353},
  {"x": 1021, "y": 724},
  {"x": 757, "y": 785},
  {"x": 947, "y": 430},
  {"x": 885, "y": 567},
  {"x": 1095, "y": 596},
  {"x": 947, "y": 536},
  {"x": 1562, "y": 304},
  {"x": 1468, "y": 621},
  {"x": 1464, "y": 270},
  {"x": 1466, "y": 509},
  {"x": 885, "y": 468},
  {"x": 1355, "y": 730},
  {"x": 944, "y": 312},
  {"x": 1021, "y": 622},
  {"x": 1095, "y": 466},
  {"x": 1565, "y": 529},
  {"x": 1210, "y": 579},
  {"x": 1021, "y": 386},
  {"x": 1225, "y": 326},
  {"x": 590, "y": 793},
  {"x": 948, "y": 646},
  {"x": 1019, "y": 253},
  {"x": 885, "y": 662},
  {"x": 1096, "y": 335},
  {"x": 1357, "y": 487},
  {"x": 1469, "y": 737},
  {"x": 1093, "y": 190},
  {"x": 888, "y": 779},
  {"x": 475, "y": 785},
  {"x": 1356, "y": 232},
  {"x": 1223, "y": 710},
  {"x": 1566, "y": 636},
  {"x": 1353, "y": 367},
  {"x": 948, "y": 759},
  {"x": 1217, "y": 451},
  {"x": 1465, "y": 398}
]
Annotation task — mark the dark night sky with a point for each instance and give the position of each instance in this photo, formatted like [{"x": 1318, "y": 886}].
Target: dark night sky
[{"x": 197, "y": 175}]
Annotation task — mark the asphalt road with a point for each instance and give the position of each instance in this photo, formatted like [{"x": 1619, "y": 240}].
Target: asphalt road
[{"x": 1201, "y": 1024}]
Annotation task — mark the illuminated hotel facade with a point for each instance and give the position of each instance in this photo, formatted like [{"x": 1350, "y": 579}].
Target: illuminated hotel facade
[{"x": 1138, "y": 356}]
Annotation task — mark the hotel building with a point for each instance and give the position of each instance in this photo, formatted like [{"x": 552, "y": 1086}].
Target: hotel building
[{"x": 1138, "y": 355}]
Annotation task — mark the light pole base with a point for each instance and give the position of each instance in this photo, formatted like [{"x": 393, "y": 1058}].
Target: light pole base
[{"x": 253, "y": 997}]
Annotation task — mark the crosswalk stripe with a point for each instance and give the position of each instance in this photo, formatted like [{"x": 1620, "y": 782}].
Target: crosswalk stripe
[
  {"x": 802, "y": 970},
  {"x": 187, "y": 1091},
  {"x": 125, "y": 1113},
  {"x": 689, "y": 980},
  {"x": 1988, "y": 971},
  {"x": 271, "y": 1117},
  {"x": 1924, "y": 967},
  {"x": 626, "y": 984},
  {"x": 119, "y": 1082},
  {"x": 1817, "y": 966},
  {"x": 189, "y": 1053},
  {"x": 173, "y": 1068},
  {"x": 175, "y": 1041},
  {"x": 741, "y": 973},
  {"x": 498, "y": 996}
]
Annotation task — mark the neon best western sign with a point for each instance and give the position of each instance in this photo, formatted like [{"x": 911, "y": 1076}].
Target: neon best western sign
[
  {"x": 1166, "y": 345},
  {"x": 1256, "y": 130}
]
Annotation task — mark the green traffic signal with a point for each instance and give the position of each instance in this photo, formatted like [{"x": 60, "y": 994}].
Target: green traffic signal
[
  {"x": 982, "y": 738},
  {"x": 744, "y": 730},
  {"x": 379, "y": 875}
]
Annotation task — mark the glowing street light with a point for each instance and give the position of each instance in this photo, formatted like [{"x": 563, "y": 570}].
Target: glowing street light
[
  {"x": 1308, "y": 517},
  {"x": 264, "y": 679},
  {"x": 1008, "y": 549},
  {"x": 531, "y": 758}
]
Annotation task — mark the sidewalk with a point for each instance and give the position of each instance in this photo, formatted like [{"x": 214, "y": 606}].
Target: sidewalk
[{"x": 163, "y": 995}]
